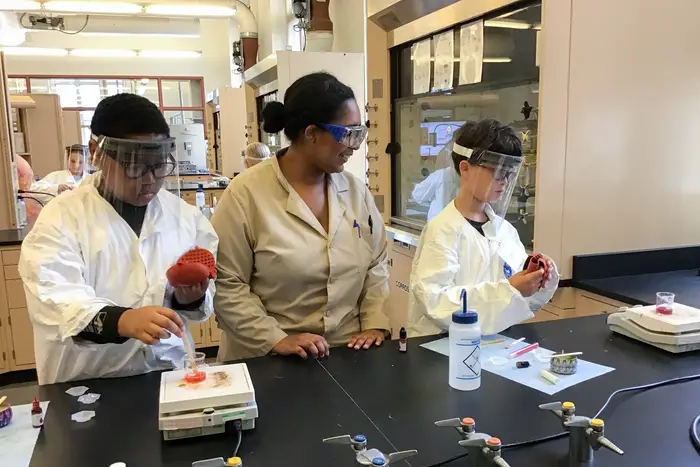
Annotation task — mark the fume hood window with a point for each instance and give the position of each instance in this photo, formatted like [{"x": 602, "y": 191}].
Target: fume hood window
[{"x": 424, "y": 180}]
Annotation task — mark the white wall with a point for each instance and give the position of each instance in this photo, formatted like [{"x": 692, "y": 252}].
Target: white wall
[
  {"x": 214, "y": 42},
  {"x": 619, "y": 167},
  {"x": 275, "y": 20}
]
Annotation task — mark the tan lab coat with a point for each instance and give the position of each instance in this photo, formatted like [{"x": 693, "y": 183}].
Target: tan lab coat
[{"x": 280, "y": 273}]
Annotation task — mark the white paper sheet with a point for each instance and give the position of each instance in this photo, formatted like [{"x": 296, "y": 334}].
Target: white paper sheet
[
  {"x": 471, "y": 52},
  {"x": 17, "y": 439},
  {"x": 421, "y": 67},
  {"x": 526, "y": 376},
  {"x": 444, "y": 61}
]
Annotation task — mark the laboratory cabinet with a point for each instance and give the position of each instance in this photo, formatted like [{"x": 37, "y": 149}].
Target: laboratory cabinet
[{"x": 17, "y": 331}]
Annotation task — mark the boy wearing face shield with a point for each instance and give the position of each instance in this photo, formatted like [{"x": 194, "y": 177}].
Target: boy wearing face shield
[
  {"x": 94, "y": 265},
  {"x": 471, "y": 246},
  {"x": 61, "y": 180}
]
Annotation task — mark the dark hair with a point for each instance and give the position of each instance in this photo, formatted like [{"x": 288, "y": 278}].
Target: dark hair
[
  {"x": 313, "y": 99},
  {"x": 127, "y": 114},
  {"x": 489, "y": 135}
]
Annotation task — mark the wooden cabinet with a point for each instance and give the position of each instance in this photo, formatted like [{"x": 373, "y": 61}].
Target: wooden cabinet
[
  {"x": 213, "y": 332},
  {"x": 4, "y": 353},
  {"x": 22, "y": 339},
  {"x": 197, "y": 331},
  {"x": 17, "y": 331}
]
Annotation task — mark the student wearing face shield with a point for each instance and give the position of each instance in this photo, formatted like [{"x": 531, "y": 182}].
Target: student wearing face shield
[
  {"x": 470, "y": 245},
  {"x": 68, "y": 179},
  {"x": 94, "y": 265},
  {"x": 305, "y": 267}
]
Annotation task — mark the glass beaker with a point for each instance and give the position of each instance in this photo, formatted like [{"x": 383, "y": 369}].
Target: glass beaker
[
  {"x": 664, "y": 302},
  {"x": 195, "y": 374}
]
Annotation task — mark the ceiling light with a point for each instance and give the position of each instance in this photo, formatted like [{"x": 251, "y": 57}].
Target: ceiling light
[
  {"x": 35, "y": 51},
  {"x": 94, "y": 7},
  {"x": 497, "y": 60},
  {"x": 102, "y": 53},
  {"x": 507, "y": 23},
  {"x": 18, "y": 5},
  {"x": 169, "y": 54},
  {"x": 190, "y": 10},
  {"x": 140, "y": 34}
]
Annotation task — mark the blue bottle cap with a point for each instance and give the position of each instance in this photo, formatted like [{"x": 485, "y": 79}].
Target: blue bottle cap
[
  {"x": 359, "y": 438},
  {"x": 377, "y": 461},
  {"x": 460, "y": 317}
]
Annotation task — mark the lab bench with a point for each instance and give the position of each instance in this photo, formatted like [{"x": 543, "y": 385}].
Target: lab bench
[{"x": 397, "y": 411}]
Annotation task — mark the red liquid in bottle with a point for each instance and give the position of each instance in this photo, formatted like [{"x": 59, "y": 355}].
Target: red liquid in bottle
[
  {"x": 196, "y": 377},
  {"x": 664, "y": 309}
]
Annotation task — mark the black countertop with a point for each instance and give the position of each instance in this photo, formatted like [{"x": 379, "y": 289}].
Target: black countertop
[
  {"x": 394, "y": 399},
  {"x": 641, "y": 289},
  {"x": 12, "y": 237}
]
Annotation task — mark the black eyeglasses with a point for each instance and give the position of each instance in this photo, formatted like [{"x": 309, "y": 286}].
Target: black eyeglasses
[{"x": 159, "y": 170}]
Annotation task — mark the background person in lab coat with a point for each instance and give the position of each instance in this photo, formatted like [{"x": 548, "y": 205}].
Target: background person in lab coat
[
  {"x": 255, "y": 153},
  {"x": 94, "y": 264},
  {"x": 62, "y": 180},
  {"x": 302, "y": 264},
  {"x": 470, "y": 245}
]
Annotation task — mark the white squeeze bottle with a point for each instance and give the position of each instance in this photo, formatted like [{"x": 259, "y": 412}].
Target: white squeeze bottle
[
  {"x": 465, "y": 349},
  {"x": 199, "y": 199}
]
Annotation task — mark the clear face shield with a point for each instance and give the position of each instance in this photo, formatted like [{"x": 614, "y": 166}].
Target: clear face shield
[
  {"x": 77, "y": 160},
  {"x": 489, "y": 177},
  {"x": 135, "y": 170}
]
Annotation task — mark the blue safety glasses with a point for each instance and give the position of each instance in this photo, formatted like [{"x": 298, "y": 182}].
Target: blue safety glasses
[{"x": 350, "y": 136}]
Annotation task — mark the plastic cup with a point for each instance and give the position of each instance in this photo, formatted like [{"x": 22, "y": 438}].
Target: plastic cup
[{"x": 664, "y": 302}]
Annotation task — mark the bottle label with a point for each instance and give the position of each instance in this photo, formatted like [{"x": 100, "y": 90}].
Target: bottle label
[
  {"x": 469, "y": 365},
  {"x": 37, "y": 420}
]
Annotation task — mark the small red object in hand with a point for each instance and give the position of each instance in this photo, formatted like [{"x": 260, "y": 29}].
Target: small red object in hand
[
  {"x": 535, "y": 262},
  {"x": 192, "y": 268}
]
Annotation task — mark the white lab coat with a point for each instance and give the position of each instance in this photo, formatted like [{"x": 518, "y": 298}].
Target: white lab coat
[
  {"x": 82, "y": 256},
  {"x": 50, "y": 183},
  {"x": 452, "y": 256},
  {"x": 439, "y": 189}
]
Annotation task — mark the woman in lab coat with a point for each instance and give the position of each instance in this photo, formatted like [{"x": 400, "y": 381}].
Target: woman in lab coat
[
  {"x": 302, "y": 263},
  {"x": 94, "y": 264},
  {"x": 61, "y": 180},
  {"x": 470, "y": 245}
]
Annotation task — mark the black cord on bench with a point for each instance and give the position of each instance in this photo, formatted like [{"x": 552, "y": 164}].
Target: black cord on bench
[{"x": 695, "y": 438}]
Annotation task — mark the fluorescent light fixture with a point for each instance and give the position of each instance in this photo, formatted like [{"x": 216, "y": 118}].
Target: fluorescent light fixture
[
  {"x": 507, "y": 23},
  {"x": 18, "y": 5},
  {"x": 119, "y": 34},
  {"x": 102, "y": 53},
  {"x": 497, "y": 60},
  {"x": 190, "y": 10},
  {"x": 139, "y": 34},
  {"x": 34, "y": 51},
  {"x": 169, "y": 54},
  {"x": 94, "y": 7}
]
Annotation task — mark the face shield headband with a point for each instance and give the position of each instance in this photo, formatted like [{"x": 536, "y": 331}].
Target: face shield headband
[
  {"x": 350, "y": 136},
  {"x": 138, "y": 157},
  {"x": 505, "y": 166}
]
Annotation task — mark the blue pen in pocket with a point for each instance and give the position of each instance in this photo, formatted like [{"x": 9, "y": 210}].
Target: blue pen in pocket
[{"x": 355, "y": 225}]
